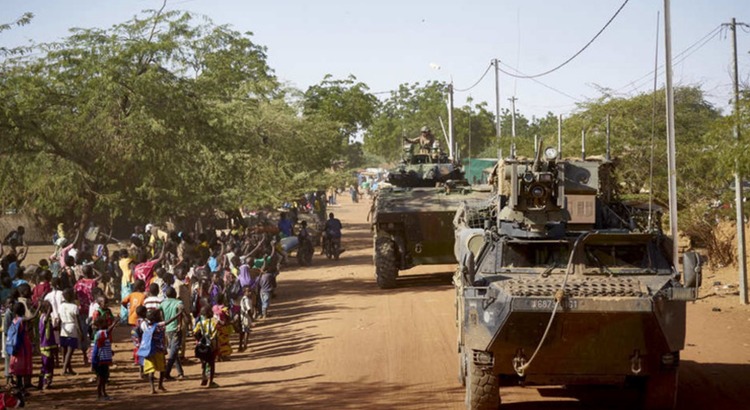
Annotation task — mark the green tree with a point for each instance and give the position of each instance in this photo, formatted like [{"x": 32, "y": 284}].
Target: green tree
[
  {"x": 23, "y": 20},
  {"x": 347, "y": 102},
  {"x": 474, "y": 127},
  {"x": 407, "y": 110},
  {"x": 635, "y": 127},
  {"x": 152, "y": 118}
]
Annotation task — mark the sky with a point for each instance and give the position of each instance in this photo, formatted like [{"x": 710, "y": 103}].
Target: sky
[{"x": 390, "y": 42}]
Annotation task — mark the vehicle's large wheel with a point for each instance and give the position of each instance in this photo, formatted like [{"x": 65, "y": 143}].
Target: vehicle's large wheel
[
  {"x": 482, "y": 387},
  {"x": 386, "y": 270},
  {"x": 660, "y": 392}
]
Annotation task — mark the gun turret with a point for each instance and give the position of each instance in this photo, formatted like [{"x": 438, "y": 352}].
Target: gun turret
[{"x": 536, "y": 201}]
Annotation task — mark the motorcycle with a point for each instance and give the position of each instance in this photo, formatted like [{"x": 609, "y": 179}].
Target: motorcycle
[{"x": 331, "y": 247}]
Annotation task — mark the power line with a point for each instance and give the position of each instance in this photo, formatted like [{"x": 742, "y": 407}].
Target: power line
[
  {"x": 579, "y": 51},
  {"x": 678, "y": 58},
  {"x": 477, "y": 82},
  {"x": 520, "y": 74}
]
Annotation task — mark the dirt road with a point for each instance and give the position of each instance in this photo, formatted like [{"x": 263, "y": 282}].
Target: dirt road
[{"x": 335, "y": 341}]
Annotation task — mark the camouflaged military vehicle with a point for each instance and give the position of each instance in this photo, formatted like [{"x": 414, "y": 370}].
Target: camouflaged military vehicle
[
  {"x": 560, "y": 282},
  {"x": 412, "y": 218}
]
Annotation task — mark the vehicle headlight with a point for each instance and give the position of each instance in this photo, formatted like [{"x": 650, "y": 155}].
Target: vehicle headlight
[{"x": 550, "y": 153}]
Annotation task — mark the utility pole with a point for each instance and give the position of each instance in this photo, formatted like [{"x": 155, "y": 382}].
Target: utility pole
[
  {"x": 513, "y": 117},
  {"x": 607, "y": 156},
  {"x": 498, "y": 130},
  {"x": 738, "y": 185},
  {"x": 671, "y": 149}
]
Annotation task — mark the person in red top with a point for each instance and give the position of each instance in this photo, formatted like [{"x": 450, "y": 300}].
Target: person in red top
[
  {"x": 145, "y": 270},
  {"x": 84, "y": 288},
  {"x": 42, "y": 288}
]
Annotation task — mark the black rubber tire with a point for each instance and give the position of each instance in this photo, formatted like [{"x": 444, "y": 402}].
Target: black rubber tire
[
  {"x": 660, "y": 391},
  {"x": 461, "y": 366},
  {"x": 482, "y": 387},
  {"x": 386, "y": 270}
]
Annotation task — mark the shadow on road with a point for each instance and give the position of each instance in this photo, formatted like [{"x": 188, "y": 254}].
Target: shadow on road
[
  {"x": 306, "y": 394},
  {"x": 713, "y": 385},
  {"x": 701, "y": 386}
]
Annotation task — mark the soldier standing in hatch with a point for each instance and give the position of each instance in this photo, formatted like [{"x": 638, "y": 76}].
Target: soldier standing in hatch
[{"x": 425, "y": 139}]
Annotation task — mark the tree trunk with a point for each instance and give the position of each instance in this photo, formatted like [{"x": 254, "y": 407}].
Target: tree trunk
[{"x": 86, "y": 214}]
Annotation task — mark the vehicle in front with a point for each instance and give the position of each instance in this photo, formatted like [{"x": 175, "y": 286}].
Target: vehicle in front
[{"x": 562, "y": 282}]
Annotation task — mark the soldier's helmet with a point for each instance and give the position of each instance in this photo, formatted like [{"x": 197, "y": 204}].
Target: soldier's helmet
[{"x": 425, "y": 129}]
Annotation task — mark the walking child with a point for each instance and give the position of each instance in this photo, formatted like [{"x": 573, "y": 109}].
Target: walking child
[
  {"x": 136, "y": 334},
  {"x": 101, "y": 354},
  {"x": 206, "y": 345},
  {"x": 70, "y": 329},
  {"x": 246, "y": 316},
  {"x": 171, "y": 307},
  {"x": 47, "y": 345},
  {"x": 223, "y": 329},
  {"x": 18, "y": 345},
  {"x": 8, "y": 317},
  {"x": 152, "y": 348}
]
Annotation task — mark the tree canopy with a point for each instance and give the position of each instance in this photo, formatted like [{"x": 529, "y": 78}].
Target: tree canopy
[
  {"x": 156, "y": 117},
  {"x": 169, "y": 115}
]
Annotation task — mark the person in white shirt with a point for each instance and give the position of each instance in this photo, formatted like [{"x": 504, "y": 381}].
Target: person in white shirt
[
  {"x": 152, "y": 301},
  {"x": 70, "y": 329}
]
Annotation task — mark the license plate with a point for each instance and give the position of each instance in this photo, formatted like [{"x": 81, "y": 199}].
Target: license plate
[{"x": 544, "y": 305}]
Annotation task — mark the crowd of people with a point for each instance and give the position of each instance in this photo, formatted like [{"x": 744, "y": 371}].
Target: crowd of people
[{"x": 169, "y": 286}]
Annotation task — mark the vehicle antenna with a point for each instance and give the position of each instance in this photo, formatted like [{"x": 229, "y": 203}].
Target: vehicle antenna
[
  {"x": 653, "y": 133},
  {"x": 583, "y": 144},
  {"x": 559, "y": 136}
]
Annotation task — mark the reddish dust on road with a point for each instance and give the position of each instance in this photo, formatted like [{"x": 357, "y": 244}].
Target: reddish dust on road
[{"x": 335, "y": 341}]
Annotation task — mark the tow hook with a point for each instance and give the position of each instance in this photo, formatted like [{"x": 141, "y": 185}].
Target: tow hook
[
  {"x": 519, "y": 361},
  {"x": 635, "y": 362}
]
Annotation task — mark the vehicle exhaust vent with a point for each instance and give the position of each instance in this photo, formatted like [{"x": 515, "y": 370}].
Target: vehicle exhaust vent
[{"x": 588, "y": 287}]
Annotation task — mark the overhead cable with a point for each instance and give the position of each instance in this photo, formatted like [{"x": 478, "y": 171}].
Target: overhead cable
[
  {"x": 678, "y": 57},
  {"x": 536, "y": 81},
  {"x": 477, "y": 82},
  {"x": 579, "y": 51}
]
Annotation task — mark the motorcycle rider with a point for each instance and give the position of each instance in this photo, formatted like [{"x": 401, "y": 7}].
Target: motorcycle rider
[{"x": 332, "y": 231}]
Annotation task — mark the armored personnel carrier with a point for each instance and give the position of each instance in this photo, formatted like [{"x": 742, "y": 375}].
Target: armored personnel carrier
[
  {"x": 560, "y": 282},
  {"x": 412, "y": 218}
]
